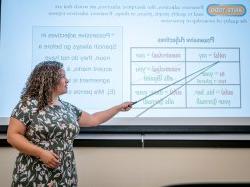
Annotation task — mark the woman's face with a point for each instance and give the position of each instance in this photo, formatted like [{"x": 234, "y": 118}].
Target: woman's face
[{"x": 62, "y": 86}]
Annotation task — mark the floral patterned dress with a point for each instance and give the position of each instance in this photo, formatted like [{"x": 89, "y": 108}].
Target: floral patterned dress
[{"x": 53, "y": 128}]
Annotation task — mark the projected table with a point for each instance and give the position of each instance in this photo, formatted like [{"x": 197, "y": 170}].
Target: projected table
[{"x": 155, "y": 68}]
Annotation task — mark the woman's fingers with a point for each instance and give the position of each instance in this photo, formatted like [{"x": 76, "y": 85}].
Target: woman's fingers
[
  {"x": 51, "y": 165},
  {"x": 126, "y": 106},
  {"x": 54, "y": 154},
  {"x": 53, "y": 162}
]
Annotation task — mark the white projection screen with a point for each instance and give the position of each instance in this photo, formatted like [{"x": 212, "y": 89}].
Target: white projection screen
[{"x": 191, "y": 58}]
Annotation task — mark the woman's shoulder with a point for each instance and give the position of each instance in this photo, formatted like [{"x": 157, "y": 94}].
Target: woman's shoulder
[
  {"x": 24, "y": 107},
  {"x": 68, "y": 105},
  {"x": 72, "y": 108},
  {"x": 28, "y": 102},
  {"x": 65, "y": 103}
]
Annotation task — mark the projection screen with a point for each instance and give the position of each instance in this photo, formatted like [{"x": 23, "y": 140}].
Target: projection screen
[{"x": 191, "y": 58}]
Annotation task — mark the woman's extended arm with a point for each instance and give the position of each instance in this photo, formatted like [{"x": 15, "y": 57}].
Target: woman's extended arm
[
  {"x": 89, "y": 120},
  {"x": 15, "y": 137}
]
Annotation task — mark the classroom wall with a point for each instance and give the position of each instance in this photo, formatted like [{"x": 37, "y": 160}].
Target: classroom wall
[{"x": 149, "y": 167}]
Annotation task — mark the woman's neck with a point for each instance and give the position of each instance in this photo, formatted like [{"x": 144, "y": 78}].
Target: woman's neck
[{"x": 55, "y": 100}]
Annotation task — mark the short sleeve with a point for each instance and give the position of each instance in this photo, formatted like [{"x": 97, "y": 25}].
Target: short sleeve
[
  {"x": 22, "y": 112},
  {"x": 77, "y": 112}
]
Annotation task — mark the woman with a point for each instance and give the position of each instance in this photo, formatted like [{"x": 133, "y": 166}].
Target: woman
[{"x": 42, "y": 127}]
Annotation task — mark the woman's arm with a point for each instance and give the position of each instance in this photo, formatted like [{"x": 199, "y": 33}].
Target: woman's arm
[
  {"x": 16, "y": 138},
  {"x": 89, "y": 120}
]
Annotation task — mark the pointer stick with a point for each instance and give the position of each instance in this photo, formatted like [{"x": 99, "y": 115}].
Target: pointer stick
[{"x": 207, "y": 67}]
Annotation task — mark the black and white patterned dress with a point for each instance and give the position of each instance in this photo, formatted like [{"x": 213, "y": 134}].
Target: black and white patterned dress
[{"x": 53, "y": 128}]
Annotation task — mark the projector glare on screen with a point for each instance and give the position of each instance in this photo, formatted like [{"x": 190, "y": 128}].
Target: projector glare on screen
[{"x": 176, "y": 59}]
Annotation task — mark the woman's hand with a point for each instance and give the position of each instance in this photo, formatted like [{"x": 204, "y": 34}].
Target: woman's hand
[
  {"x": 126, "y": 106},
  {"x": 50, "y": 159}
]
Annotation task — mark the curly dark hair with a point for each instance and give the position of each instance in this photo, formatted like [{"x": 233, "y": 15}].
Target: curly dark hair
[{"x": 41, "y": 82}]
